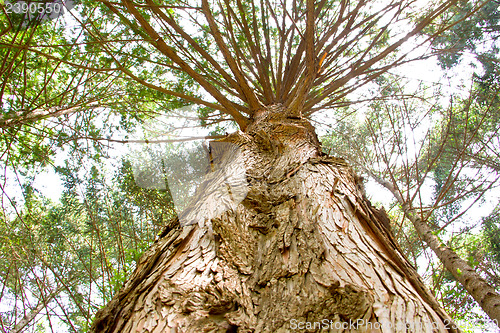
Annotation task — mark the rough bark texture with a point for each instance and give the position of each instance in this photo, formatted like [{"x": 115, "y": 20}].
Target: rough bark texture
[{"x": 304, "y": 245}]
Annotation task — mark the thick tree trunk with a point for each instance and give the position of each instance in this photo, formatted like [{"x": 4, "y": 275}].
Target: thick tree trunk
[{"x": 303, "y": 249}]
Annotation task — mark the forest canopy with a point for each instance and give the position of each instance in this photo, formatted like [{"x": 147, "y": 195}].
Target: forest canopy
[{"x": 106, "y": 105}]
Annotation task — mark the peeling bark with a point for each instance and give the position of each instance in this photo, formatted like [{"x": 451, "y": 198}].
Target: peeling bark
[{"x": 303, "y": 246}]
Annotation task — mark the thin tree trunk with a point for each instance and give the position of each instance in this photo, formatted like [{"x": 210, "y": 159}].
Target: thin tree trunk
[
  {"x": 295, "y": 245},
  {"x": 33, "y": 313},
  {"x": 478, "y": 288}
]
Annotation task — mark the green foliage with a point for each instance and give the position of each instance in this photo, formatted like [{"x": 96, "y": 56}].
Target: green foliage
[
  {"x": 85, "y": 246},
  {"x": 475, "y": 34},
  {"x": 491, "y": 226}
]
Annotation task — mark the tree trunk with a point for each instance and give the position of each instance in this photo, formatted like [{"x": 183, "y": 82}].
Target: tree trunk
[{"x": 295, "y": 245}]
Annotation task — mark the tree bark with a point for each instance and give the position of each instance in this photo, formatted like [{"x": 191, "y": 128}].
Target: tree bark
[{"x": 303, "y": 249}]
